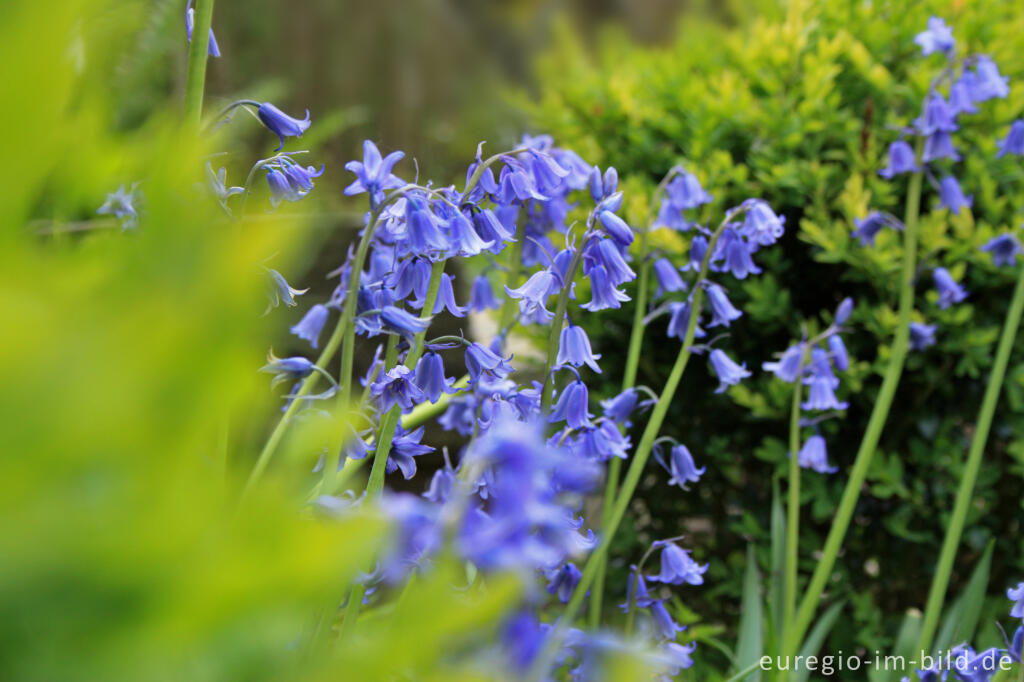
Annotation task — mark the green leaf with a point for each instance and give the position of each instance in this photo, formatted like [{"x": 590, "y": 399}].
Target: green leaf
[
  {"x": 816, "y": 637},
  {"x": 777, "y": 580},
  {"x": 750, "y": 644}
]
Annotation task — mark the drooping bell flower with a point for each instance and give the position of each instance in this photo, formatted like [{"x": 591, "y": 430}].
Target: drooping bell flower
[
  {"x": 643, "y": 596},
  {"x": 534, "y": 292},
  {"x": 446, "y": 298},
  {"x": 1004, "y": 249},
  {"x": 396, "y": 387},
  {"x": 402, "y": 322},
  {"x": 869, "y": 227},
  {"x": 677, "y": 567},
  {"x": 698, "y": 247},
  {"x": 938, "y": 37},
  {"x": 572, "y": 406},
  {"x": 481, "y": 359},
  {"x": 950, "y": 291},
  {"x": 728, "y": 372},
  {"x": 837, "y": 352},
  {"x": 738, "y": 258},
  {"x": 605, "y": 253},
  {"x": 722, "y": 310},
  {"x": 280, "y": 291},
  {"x": 463, "y": 237},
  {"x": 680, "y": 465},
  {"x": 960, "y": 100},
  {"x": 491, "y": 229},
  {"x": 603, "y": 292},
  {"x": 616, "y": 228},
  {"x": 430, "y": 377},
  {"x": 988, "y": 83},
  {"x": 1013, "y": 143},
  {"x": 937, "y": 116},
  {"x": 939, "y": 146},
  {"x": 952, "y": 197},
  {"x": 481, "y": 295},
  {"x": 1016, "y": 595},
  {"x": 667, "y": 276},
  {"x": 620, "y": 407},
  {"x": 760, "y": 224},
  {"x": 921, "y": 335},
  {"x": 684, "y": 192},
  {"x": 789, "y": 366},
  {"x": 562, "y": 581},
  {"x": 286, "y": 369},
  {"x": 574, "y": 349},
  {"x": 901, "y": 160},
  {"x": 280, "y": 188},
  {"x": 311, "y": 324},
  {"x": 666, "y": 627},
  {"x": 280, "y": 123},
  {"x": 212, "y": 49},
  {"x": 422, "y": 228},
  {"x": 813, "y": 455},
  {"x": 822, "y": 384},
  {"x": 680, "y": 320}
]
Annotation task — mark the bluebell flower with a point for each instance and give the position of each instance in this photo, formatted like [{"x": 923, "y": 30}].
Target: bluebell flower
[
  {"x": 481, "y": 295},
  {"x": 677, "y": 567},
  {"x": 643, "y": 598},
  {"x": 463, "y": 238},
  {"x": 460, "y": 415},
  {"x": 446, "y": 298},
  {"x": 311, "y": 324},
  {"x": 404, "y": 446},
  {"x": 605, "y": 253},
  {"x": 722, "y": 310},
  {"x": 823, "y": 384},
  {"x": 603, "y": 442},
  {"x": 937, "y": 38},
  {"x": 409, "y": 276},
  {"x": 280, "y": 123},
  {"x": 939, "y": 146},
  {"x": 492, "y": 229},
  {"x": 760, "y": 224},
  {"x": 396, "y": 387},
  {"x": 949, "y": 291},
  {"x": 280, "y": 291},
  {"x": 675, "y": 657},
  {"x": 680, "y": 319},
  {"x": 481, "y": 359},
  {"x": 299, "y": 177},
  {"x": 727, "y": 371},
  {"x": 1013, "y": 143},
  {"x": 422, "y": 228},
  {"x": 789, "y": 367},
  {"x": 960, "y": 100},
  {"x": 667, "y": 276},
  {"x": 572, "y": 406},
  {"x": 952, "y": 197},
  {"x": 523, "y": 639},
  {"x": 430, "y": 377},
  {"x": 190, "y": 20},
  {"x": 837, "y": 352},
  {"x": 680, "y": 465},
  {"x": 684, "y": 192},
  {"x": 441, "y": 483},
  {"x": 698, "y": 247},
  {"x": 664, "y": 624},
  {"x": 603, "y": 293},
  {"x": 921, "y": 335},
  {"x": 616, "y": 227},
  {"x": 534, "y": 292},
  {"x": 121, "y": 205},
  {"x": 403, "y": 322},
  {"x": 869, "y": 227},
  {"x": 901, "y": 160},
  {"x": 737, "y": 252},
  {"x": 286, "y": 369},
  {"x": 813, "y": 455},
  {"x": 280, "y": 188},
  {"x": 1016, "y": 595},
  {"x": 562, "y": 581},
  {"x": 619, "y": 408},
  {"x": 1016, "y": 649},
  {"x": 373, "y": 174},
  {"x": 1004, "y": 249},
  {"x": 988, "y": 83},
  {"x": 574, "y": 349},
  {"x": 937, "y": 116},
  {"x": 844, "y": 310}
]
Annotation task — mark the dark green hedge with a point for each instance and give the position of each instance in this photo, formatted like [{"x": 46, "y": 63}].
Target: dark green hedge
[{"x": 800, "y": 112}]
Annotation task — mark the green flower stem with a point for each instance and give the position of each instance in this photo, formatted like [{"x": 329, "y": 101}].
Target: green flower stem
[
  {"x": 743, "y": 673},
  {"x": 197, "y": 56},
  {"x": 547, "y": 393},
  {"x": 897, "y": 357},
  {"x": 515, "y": 268},
  {"x": 383, "y": 448},
  {"x": 636, "y": 337},
  {"x": 940, "y": 582},
  {"x": 793, "y": 505},
  {"x": 636, "y": 467}
]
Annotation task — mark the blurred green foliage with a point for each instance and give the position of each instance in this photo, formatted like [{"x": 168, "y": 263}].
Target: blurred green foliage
[
  {"x": 132, "y": 407},
  {"x": 799, "y": 110}
]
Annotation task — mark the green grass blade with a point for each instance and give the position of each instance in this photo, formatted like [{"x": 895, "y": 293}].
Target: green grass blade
[
  {"x": 816, "y": 638},
  {"x": 751, "y": 643},
  {"x": 777, "y": 580}
]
